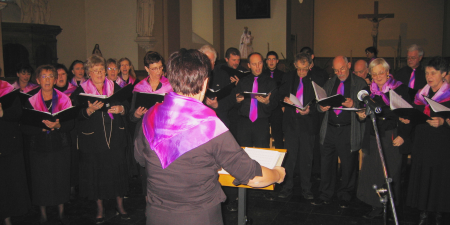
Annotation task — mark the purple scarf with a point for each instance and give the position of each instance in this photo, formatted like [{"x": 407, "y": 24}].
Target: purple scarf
[
  {"x": 108, "y": 89},
  {"x": 121, "y": 82},
  {"x": 60, "y": 101},
  {"x": 30, "y": 86},
  {"x": 391, "y": 83},
  {"x": 442, "y": 95},
  {"x": 178, "y": 125},
  {"x": 70, "y": 89},
  {"x": 5, "y": 88},
  {"x": 74, "y": 82},
  {"x": 144, "y": 86}
]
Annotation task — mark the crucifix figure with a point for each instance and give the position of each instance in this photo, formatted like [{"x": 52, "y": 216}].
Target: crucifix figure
[{"x": 375, "y": 18}]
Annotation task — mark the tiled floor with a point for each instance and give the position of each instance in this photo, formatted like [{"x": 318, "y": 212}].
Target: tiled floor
[{"x": 292, "y": 210}]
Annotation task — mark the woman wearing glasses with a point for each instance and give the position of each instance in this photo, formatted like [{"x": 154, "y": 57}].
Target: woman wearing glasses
[
  {"x": 102, "y": 141},
  {"x": 49, "y": 147}
]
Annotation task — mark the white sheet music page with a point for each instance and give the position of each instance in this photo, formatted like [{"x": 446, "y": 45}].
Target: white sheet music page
[
  {"x": 320, "y": 92},
  {"x": 265, "y": 158},
  {"x": 295, "y": 101},
  {"x": 397, "y": 102},
  {"x": 436, "y": 107}
]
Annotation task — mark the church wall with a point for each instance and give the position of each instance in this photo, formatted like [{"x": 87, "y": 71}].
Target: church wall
[
  {"x": 112, "y": 25},
  {"x": 202, "y": 19},
  {"x": 272, "y": 30},
  {"x": 337, "y": 29}
]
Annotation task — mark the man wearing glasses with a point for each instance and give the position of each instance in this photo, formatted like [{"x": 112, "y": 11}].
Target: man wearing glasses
[
  {"x": 340, "y": 135},
  {"x": 413, "y": 75},
  {"x": 361, "y": 70}
]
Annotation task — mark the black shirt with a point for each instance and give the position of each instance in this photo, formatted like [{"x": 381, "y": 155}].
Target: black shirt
[
  {"x": 404, "y": 75},
  {"x": 277, "y": 75},
  {"x": 344, "y": 116},
  {"x": 220, "y": 78},
  {"x": 320, "y": 76}
]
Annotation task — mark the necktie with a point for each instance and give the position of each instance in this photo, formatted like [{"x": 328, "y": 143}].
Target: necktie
[
  {"x": 340, "y": 91},
  {"x": 299, "y": 94},
  {"x": 271, "y": 74},
  {"x": 412, "y": 79},
  {"x": 253, "y": 102}
]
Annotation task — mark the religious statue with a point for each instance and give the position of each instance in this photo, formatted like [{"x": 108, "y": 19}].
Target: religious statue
[
  {"x": 145, "y": 18},
  {"x": 97, "y": 51},
  {"x": 245, "y": 45},
  {"x": 374, "y": 33},
  {"x": 34, "y": 11}
]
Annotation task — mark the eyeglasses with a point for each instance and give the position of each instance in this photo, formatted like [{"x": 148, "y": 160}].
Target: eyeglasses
[
  {"x": 154, "y": 69},
  {"x": 343, "y": 69},
  {"x": 98, "y": 72},
  {"x": 49, "y": 76},
  {"x": 302, "y": 69},
  {"x": 110, "y": 68}
]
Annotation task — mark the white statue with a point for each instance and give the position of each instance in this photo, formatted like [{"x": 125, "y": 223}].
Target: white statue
[
  {"x": 145, "y": 18},
  {"x": 34, "y": 11},
  {"x": 26, "y": 10},
  {"x": 245, "y": 45}
]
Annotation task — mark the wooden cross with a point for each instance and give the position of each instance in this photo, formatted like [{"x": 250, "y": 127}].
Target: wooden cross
[{"x": 375, "y": 18}]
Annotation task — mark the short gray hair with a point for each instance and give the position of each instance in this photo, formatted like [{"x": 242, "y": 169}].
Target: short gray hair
[
  {"x": 208, "y": 48},
  {"x": 379, "y": 61},
  {"x": 415, "y": 47},
  {"x": 94, "y": 60}
]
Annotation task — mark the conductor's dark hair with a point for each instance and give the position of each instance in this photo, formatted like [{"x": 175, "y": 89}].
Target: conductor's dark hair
[
  {"x": 272, "y": 53},
  {"x": 303, "y": 57},
  {"x": 307, "y": 50},
  {"x": 187, "y": 70},
  {"x": 152, "y": 57},
  {"x": 232, "y": 51},
  {"x": 46, "y": 68},
  {"x": 24, "y": 68},
  {"x": 61, "y": 66},
  {"x": 438, "y": 63},
  {"x": 372, "y": 50}
]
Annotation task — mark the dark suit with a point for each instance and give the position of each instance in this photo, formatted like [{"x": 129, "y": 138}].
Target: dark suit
[
  {"x": 404, "y": 75},
  {"x": 276, "y": 119}
]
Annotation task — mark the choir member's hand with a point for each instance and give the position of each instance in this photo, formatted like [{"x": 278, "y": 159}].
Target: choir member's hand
[
  {"x": 361, "y": 114},
  {"x": 324, "y": 108},
  {"x": 398, "y": 141},
  {"x": 140, "y": 112},
  {"x": 92, "y": 107},
  {"x": 263, "y": 99},
  {"x": 304, "y": 112},
  {"x": 213, "y": 103},
  {"x": 288, "y": 101},
  {"x": 52, "y": 125},
  {"x": 281, "y": 172},
  {"x": 348, "y": 103},
  {"x": 117, "y": 109},
  {"x": 239, "y": 98},
  {"x": 234, "y": 79},
  {"x": 405, "y": 121},
  {"x": 436, "y": 121},
  {"x": 1, "y": 110}
]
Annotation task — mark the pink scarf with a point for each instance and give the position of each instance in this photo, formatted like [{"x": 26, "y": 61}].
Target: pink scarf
[
  {"x": 121, "y": 82},
  {"x": 74, "y": 82},
  {"x": 5, "y": 88},
  {"x": 70, "y": 89},
  {"x": 108, "y": 89},
  {"x": 442, "y": 95},
  {"x": 30, "y": 86},
  {"x": 391, "y": 83},
  {"x": 178, "y": 125},
  {"x": 144, "y": 86},
  {"x": 60, "y": 101}
]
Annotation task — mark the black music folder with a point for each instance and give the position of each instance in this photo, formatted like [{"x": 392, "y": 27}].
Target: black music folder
[
  {"x": 438, "y": 108},
  {"x": 34, "y": 117},
  {"x": 147, "y": 100},
  {"x": 297, "y": 103},
  {"x": 8, "y": 99},
  {"x": 220, "y": 94},
  {"x": 233, "y": 72},
  {"x": 324, "y": 100},
  {"x": 120, "y": 96},
  {"x": 405, "y": 110}
]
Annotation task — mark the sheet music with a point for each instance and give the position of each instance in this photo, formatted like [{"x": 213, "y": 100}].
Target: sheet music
[
  {"x": 397, "y": 102},
  {"x": 349, "y": 109},
  {"x": 93, "y": 95},
  {"x": 295, "y": 101},
  {"x": 265, "y": 158},
  {"x": 436, "y": 107},
  {"x": 320, "y": 92}
]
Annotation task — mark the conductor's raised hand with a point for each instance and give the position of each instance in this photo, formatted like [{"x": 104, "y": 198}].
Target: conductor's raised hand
[
  {"x": 52, "y": 125},
  {"x": 263, "y": 99},
  {"x": 324, "y": 108},
  {"x": 239, "y": 98},
  {"x": 140, "y": 112},
  {"x": 348, "y": 103},
  {"x": 213, "y": 103}
]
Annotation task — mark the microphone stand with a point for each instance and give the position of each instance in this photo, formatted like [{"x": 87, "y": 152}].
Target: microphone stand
[{"x": 382, "y": 191}]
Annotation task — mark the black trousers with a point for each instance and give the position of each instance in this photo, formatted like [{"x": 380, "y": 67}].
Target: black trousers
[
  {"x": 253, "y": 134},
  {"x": 300, "y": 146},
  {"x": 276, "y": 123},
  {"x": 337, "y": 143}
]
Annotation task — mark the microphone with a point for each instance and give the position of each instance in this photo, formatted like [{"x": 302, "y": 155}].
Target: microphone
[{"x": 364, "y": 96}]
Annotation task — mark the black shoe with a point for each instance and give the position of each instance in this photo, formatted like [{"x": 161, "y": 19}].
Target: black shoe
[
  {"x": 308, "y": 195},
  {"x": 232, "y": 206},
  {"x": 343, "y": 204},
  {"x": 124, "y": 216},
  {"x": 285, "y": 193},
  {"x": 320, "y": 201},
  {"x": 376, "y": 212},
  {"x": 423, "y": 218},
  {"x": 99, "y": 220}
]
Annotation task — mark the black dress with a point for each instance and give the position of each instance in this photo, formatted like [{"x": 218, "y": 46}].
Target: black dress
[
  {"x": 15, "y": 200},
  {"x": 430, "y": 168},
  {"x": 49, "y": 162},
  {"x": 371, "y": 173},
  {"x": 102, "y": 143}
]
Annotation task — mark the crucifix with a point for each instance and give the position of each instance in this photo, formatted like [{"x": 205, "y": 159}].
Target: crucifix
[{"x": 375, "y": 18}]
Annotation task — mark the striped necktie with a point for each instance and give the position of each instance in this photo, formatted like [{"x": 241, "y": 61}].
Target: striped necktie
[
  {"x": 271, "y": 74},
  {"x": 412, "y": 80},
  {"x": 254, "y": 102},
  {"x": 340, "y": 91}
]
